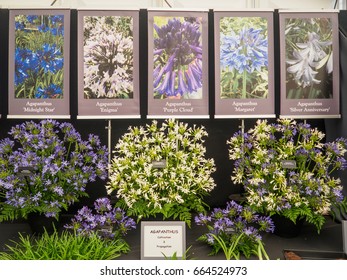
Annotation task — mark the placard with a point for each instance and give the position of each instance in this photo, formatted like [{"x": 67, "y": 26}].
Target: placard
[
  {"x": 108, "y": 64},
  {"x": 163, "y": 239},
  {"x": 244, "y": 64},
  {"x": 178, "y": 64},
  {"x": 39, "y": 44},
  {"x": 309, "y": 43}
]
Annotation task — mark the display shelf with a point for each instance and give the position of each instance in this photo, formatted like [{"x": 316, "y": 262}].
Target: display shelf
[{"x": 329, "y": 240}]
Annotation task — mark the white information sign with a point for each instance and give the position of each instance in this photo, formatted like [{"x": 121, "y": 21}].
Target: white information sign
[{"x": 163, "y": 239}]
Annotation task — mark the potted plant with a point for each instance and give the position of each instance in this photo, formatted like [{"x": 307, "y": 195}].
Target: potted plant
[
  {"x": 45, "y": 167},
  {"x": 104, "y": 220},
  {"x": 162, "y": 169},
  {"x": 235, "y": 230},
  {"x": 286, "y": 168}
]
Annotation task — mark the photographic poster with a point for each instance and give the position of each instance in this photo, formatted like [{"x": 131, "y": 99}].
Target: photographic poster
[
  {"x": 108, "y": 64},
  {"x": 244, "y": 64},
  {"x": 309, "y": 43},
  {"x": 39, "y": 44},
  {"x": 178, "y": 64}
]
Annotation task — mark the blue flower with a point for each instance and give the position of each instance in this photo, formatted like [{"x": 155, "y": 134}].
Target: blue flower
[
  {"x": 32, "y": 18},
  {"x": 246, "y": 51},
  {"x": 52, "y": 91},
  {"x": 50, "y": 58}
]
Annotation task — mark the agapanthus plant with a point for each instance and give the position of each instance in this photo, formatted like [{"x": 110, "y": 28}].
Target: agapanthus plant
[
  {"x": 39, "y": 56},
  {"x": 235, "y": 229},
  {"x": 45, "y": 167},
  {"x": 162, "y": 169},
  {"x": 177, "y": 61},
  {"x": 287, "y": 168},
  {"x": 104, "y": 220},
  {"x": 244, "y": 58},
  {"x": 108, "y": 57}
]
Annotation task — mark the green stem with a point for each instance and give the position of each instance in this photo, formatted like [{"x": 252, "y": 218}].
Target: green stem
[{"x": 244, "y": 83}]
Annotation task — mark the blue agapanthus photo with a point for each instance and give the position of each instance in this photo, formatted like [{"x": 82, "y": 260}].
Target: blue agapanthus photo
[
  {"x": 244, "y": 57},
  {"x": 39, "y": 56},
  {"x": 177, "y": 58}
]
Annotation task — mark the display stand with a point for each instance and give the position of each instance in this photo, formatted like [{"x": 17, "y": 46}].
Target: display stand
[{"x": 109, "y": 142}]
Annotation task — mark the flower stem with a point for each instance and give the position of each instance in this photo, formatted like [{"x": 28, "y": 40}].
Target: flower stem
[{"x": 244, "y": 83}]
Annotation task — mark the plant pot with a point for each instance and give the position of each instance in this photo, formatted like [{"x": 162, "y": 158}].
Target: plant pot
[
  {"x": 39, "y": 223},
  {"x": 285, "y": 227}
]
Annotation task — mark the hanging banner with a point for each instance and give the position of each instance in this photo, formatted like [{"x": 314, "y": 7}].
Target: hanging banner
[
  {"x": 39, "y": 43},
  {"x": 244, "y": 64},
  {"x": 309, "y": 43},
  {"x": 178, "y": 64},
  {"x": 108, "y": 64}
]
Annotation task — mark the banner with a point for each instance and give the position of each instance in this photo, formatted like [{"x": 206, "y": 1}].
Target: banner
[
  {"x": 309, "y": 43},
  {"x": 244, "y": 64},
  {"x": 108, "y": 64},
  {"x": 39, "y": 43},
  {"x": 178, "y": 64}
]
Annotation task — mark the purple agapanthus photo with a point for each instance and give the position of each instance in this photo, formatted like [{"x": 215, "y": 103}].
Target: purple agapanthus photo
[{"x": 177, "y": 58}]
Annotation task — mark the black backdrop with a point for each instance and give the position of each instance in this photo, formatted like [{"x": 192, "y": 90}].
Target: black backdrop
[{"x": 219, "y": 130}]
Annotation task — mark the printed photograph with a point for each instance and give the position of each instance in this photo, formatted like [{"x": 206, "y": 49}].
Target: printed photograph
[
  {"x": 177, "y": 72},
  {"x": 309, "y": 58},
  {"x": 243, "y": 57},
  {"x": 108, "y": 57},
  {"x": 39, "y": 56}
]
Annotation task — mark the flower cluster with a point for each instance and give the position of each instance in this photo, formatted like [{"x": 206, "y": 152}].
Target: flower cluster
[
  {"x": 45, "y": 167},
  {"x": 108, "y": 57},
  {"x": 105, "y": 221},
  {"x": 39, "y": 56},
  {"x": 162, "y": 169},
  {"x": 244, "y": 57},
  {"x": 287, "y": 169},
  {"x": 246, "y": 51},
  {"x": 177, "y": 58},
  {"x": 307, "y": 57},
  {"x": 232, "y": 223}
]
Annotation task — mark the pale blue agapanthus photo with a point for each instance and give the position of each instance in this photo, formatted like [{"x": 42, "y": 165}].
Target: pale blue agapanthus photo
[{"x": 244, "y": 57}]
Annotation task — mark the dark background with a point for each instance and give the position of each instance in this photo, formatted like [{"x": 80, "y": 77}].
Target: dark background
[{"x": 219, "y": 130}]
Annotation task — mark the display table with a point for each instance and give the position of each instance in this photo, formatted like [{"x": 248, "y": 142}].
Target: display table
[{"x": 329, "y": 240}]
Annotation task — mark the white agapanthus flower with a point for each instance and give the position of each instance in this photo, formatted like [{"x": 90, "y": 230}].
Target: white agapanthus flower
[{"x": 174, "y": 189}]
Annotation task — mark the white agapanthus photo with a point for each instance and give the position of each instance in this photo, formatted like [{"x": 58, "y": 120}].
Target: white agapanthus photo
[{"x": 108, "y": 57}]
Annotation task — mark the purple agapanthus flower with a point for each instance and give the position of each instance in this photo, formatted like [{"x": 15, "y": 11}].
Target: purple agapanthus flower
[
  {"x": 232, "y": 222},
  {"x": 60, "y": 167},
  {"x": 105, "y": 220},
  {"x": 177, "y": 58}
]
